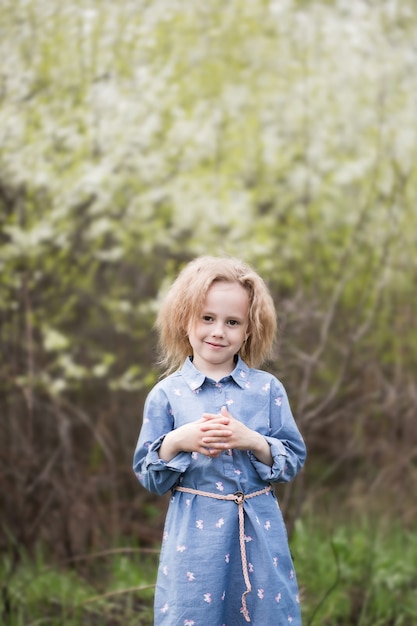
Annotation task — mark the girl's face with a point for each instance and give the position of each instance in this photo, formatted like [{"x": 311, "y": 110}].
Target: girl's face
[{"x": 221, "y": 328}]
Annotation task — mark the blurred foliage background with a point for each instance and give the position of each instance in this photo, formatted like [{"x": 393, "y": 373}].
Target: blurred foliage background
[{"x": 136, "y": 135}]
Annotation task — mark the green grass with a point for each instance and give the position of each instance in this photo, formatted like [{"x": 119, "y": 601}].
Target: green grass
[
  {"x": 356, "y": 574},
  {"x": 359, "y": 574},
  {"x": 112, "y": 588}
]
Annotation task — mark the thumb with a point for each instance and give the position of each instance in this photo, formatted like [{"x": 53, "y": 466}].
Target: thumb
[{"x": 225, "y": 412}]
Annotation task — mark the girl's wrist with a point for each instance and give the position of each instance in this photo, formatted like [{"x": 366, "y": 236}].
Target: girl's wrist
[
  {"x": 169, "y": 447},
  {"x": 262, "y": 450}
]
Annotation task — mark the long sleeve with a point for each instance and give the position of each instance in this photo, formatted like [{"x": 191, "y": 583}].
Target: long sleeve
[
  {"x": 287, "y": 446},
  {"x": 255, "y": 397},
  {"x": 153, "y": 473},
  {"x": 201, "y": 552}
]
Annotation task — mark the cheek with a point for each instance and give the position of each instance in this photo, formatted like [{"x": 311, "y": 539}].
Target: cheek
[
  {"x": 193, "y": 331},
  {"x": 189, "y": 329}
]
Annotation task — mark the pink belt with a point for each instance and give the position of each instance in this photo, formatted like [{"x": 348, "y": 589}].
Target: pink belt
[{"x": 239, "y": 497}]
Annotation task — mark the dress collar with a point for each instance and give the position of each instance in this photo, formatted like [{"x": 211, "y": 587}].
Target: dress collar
[{"x": 195, "y": 379}]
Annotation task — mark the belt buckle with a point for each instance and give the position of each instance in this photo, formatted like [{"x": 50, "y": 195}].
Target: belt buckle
[{"x": 239, "y": 497}]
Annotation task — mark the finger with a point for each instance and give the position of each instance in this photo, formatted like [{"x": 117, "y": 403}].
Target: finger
[
  {"x": 213, "y": 422},
  {"x": 217, "y": 448},
  {"x": 220, "y": 439},
  {"x": 211, "y": 416},
  {"x": 224, "y": 412},
  {"x": 215, "y": 428},
  {"x": 217, "y": 445},
  {"x": 216, "y": 432},
  {"x": 212, "y": 452}
]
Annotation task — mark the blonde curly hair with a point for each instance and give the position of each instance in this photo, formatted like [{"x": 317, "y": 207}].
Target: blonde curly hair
[{"x": 185, "y": 300}]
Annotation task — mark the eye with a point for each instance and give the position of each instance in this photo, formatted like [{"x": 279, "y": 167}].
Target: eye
[
  {"x": 207, "y": 318},
  {"x": 233, "y": 323}
]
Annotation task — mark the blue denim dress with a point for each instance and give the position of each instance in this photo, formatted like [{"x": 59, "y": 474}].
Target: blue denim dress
[{"x": 225, "y": 559}]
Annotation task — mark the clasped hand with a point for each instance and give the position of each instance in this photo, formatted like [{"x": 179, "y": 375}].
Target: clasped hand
[
  {"x": 216, "y": 432},
  {"x": 212, "y": 434}
]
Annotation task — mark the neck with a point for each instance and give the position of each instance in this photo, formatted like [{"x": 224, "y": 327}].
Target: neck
[{"x": 215, "y": 373}]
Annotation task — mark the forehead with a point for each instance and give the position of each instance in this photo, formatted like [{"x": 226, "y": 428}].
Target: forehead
[{"x": 227, "y": 297}]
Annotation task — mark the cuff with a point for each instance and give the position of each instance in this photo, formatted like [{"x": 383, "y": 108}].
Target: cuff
[
  {"x": 179, "y": 463},
  {"x": 279, "y": 458}
]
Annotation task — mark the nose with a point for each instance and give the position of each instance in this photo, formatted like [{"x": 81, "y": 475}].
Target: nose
[{"x": 218, "y": 330}]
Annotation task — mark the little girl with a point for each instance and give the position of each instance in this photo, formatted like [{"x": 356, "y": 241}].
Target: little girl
[{"x": 217, "y": 432}]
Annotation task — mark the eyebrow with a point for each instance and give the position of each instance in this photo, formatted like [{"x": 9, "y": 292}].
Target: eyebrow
[{"x": 229, "y": 317}]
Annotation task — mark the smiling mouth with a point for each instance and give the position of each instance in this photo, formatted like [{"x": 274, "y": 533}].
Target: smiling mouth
[{"x": 215, "y": 345}]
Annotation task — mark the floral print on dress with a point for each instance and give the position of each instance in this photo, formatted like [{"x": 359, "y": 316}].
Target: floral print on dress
[{"x": 200, "y": 580}]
